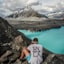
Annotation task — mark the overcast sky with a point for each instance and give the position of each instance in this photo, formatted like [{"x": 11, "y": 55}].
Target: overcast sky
[{"x": 6, "y": 6}]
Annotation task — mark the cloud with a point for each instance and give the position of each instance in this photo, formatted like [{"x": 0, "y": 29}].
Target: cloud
[
  {"x": 13, "y": 4},
  {"x": 49, "y": 6},
  {"x": 7, "y": 6},
  {"x": 4, "y": 11},
  {"x": 32, "y": 2}
]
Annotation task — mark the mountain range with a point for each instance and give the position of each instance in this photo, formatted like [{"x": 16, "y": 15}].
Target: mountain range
[{"x": 32, "y": 13}]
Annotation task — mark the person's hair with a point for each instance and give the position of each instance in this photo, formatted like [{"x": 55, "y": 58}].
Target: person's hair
[{"x": 35, "y": 39}]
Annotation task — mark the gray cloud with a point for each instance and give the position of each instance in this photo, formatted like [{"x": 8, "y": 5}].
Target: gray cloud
[{"x": 7, "y": 6}]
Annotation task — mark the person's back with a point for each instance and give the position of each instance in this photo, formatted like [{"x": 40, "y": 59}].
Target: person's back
[
  {"x": 36, "y": 53},
  {"x": 33, "y": 53}
]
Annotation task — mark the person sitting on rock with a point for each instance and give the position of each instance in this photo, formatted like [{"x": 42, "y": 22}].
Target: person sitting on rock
[{"x": 33, "y": 53}]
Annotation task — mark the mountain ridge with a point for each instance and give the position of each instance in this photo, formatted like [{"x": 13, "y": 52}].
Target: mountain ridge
[{"x": 27, "y": 13}]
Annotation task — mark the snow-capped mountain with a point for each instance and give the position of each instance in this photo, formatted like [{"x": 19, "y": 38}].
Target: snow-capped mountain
[
  {"x": 26, "y": 12},
  {"x": 58, "y": 15},
  {"x": 43, "y": 7}
]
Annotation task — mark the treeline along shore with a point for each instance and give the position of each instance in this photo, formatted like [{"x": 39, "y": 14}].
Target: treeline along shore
[{"x": 36, "y": 24}]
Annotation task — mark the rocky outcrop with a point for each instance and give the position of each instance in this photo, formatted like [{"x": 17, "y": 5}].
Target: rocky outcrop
[{"x": 11, "y": 42}]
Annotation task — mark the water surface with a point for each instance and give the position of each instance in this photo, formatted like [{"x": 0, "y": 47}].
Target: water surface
[{"x": 52, "y": 39}]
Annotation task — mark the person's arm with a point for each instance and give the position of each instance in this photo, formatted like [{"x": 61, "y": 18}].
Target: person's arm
[{"x": 29, "y": 47}]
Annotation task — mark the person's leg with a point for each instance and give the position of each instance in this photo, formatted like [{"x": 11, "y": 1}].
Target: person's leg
[{"x": 25, "y": 53}]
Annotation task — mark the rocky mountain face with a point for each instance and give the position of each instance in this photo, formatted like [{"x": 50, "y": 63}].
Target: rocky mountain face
[
  {"x": 12, "y": 42},
  {"x": 27, "y": 13}
]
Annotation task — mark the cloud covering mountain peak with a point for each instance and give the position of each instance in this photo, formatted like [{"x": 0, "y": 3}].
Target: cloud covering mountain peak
[{"x": 38, "y": 5}]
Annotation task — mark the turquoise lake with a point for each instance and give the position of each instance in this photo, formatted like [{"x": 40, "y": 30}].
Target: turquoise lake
[{"x": 52, "y": 39}]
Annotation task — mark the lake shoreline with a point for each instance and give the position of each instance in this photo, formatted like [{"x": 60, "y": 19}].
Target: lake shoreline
[{"x": 44, "y": 24}]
